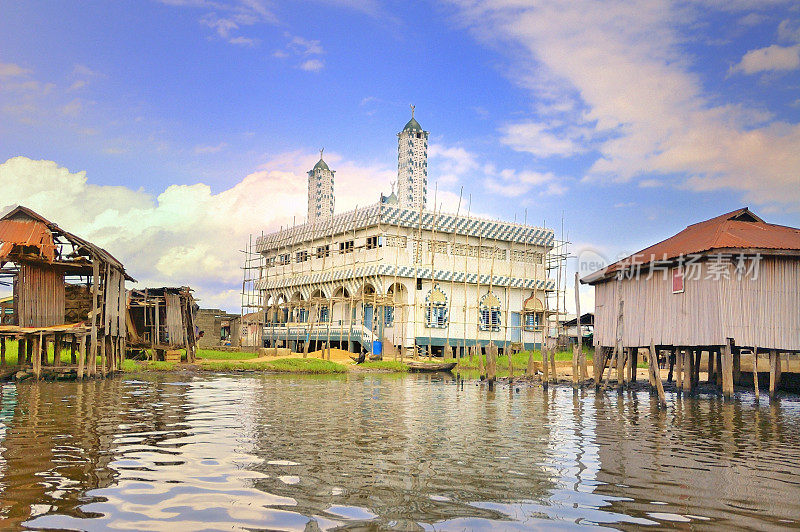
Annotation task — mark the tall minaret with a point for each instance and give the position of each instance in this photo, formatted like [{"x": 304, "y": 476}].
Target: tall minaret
[
  {"x": 412, "y": 165},
  {"x": 320, "y": 191}
]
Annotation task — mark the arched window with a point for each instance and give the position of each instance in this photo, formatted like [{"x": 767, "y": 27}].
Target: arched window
[
  {"x": 489, "y": 313},
  {"x": 436, "y": 307},
  {"x": 533, "y": 309}
]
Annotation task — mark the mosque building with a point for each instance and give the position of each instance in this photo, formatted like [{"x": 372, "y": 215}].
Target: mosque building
[{"x": 396, "y": 275}]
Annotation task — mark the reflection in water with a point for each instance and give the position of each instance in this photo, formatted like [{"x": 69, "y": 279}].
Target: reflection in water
[{"x": 411, "y": 453}]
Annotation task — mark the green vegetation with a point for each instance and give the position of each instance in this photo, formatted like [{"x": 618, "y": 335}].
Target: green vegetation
[
  {"x": 206, "y": 354},
  {"x": 389, "y": 365},
  {"x": 234, "y": 365},
  {"x": 306, "y": 365}
]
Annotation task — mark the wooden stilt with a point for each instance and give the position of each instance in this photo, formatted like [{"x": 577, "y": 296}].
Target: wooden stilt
[
  {"x": 81, "y": 357},
  {"x": 773, "y": 371},
  {"x": 679, "y": 370},
  {"x": 531, "y": 369},
  {"x": 634, "y": 364},
  {"x": 718, "y": 367},
  {"x": 598, "y": 363},
  {"x": 698, "y": 357},
  {"x": 481, "y": 371},
  {"x": 2, "y": 351},
  {"x": 737, "y": 366},
  {"x": 755, "y": 372},
  {"x": 688, "y": 370},
  {"x": 72, "y": 347},
  {"x": 656, "y": 374},
  {"x": 620, "y": 368},
  {"x": 491, "y": 362},
  {"x": 510, "y": 367},
  {"x": 57, "y": 344},
  {"x": 545, "y": 366},
  {"x": 727, "y": 370},
  {"x": 553, "y": 374},
  {"x": 29, "y": 350},
  {"x": 711, "y": 370},
  {"x": 37, "y": 356}
]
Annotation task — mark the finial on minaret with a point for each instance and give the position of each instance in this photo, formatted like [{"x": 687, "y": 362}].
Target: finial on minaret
[
  {"x": 393, "y": 183},
  {"x": 320, "y": 153},
  {"x": 412, "y": 110}
]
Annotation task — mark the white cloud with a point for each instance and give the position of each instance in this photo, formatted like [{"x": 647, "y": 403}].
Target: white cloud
[
  {"x": 540, "y": 140},
  {"x": 10, "y": 70},
  {"x": 187, "y": 234},
  {"x": 789, "y": 30},
  {"x": 228, "y": 17},
  {"x": 200, "y": 149},
  {"x": 635, "y": 92},
  {"x": 312, "y": 65},
  {"x": 771, "y": 58}
]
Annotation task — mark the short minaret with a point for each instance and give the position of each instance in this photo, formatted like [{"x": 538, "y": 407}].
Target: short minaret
[
  {"x": 320, "y": 191},
  {"x": 412, "y": 165}
]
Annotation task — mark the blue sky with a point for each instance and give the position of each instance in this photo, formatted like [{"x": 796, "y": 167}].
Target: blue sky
[{"x": 168, "y": 131}]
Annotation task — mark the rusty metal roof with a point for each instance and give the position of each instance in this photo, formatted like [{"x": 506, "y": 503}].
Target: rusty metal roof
[
  {"x": 29, "y": 233},
  {"x": 24, "y": 227},
  {"x": 736, "y": 230}
]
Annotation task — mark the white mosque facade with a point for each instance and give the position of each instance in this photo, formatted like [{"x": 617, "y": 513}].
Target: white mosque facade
[{"x": 397, "y": 274}]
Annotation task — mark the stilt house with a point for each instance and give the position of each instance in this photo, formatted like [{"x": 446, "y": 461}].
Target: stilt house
[
  {"x": 66, "y": 291},
  {"x": 725, "y": 286},
  {"x": 161, "y": 320}
]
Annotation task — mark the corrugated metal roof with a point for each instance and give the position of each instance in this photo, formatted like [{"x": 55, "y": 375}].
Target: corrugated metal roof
[
  {"x": 32, "y": 233},
  {"x": 740, "y": 229},
  {"x": 25, "y": 227}
]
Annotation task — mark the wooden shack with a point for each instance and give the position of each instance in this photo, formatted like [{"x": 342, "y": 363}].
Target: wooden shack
[
  {"x": 67, "y": 293},
  {"x": 719, "y": 289},
  {"x": 162, "y": 321}
]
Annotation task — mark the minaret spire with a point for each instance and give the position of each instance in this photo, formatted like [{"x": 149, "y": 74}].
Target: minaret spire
[
  {"x": 320, "y": 190},
  {"x": 412, "y": 164}
]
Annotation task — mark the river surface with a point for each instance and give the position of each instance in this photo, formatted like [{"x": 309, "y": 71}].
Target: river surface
[{"x": 365, "y": 452}]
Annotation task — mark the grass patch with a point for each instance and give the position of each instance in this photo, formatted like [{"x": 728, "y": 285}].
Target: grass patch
[
  {"x": 305, "y": 365},
  {"x": 392, "y": 365},
  {"x": 210, "y": 354}
]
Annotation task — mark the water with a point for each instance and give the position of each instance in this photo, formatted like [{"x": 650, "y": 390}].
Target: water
[{"x": 173, "y": 452}]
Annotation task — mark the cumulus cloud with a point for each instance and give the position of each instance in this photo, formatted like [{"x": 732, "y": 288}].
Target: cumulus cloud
[
  {"x": 10, "y": 70},
  {"x": 228, "y": 17},
  {"x": 186, "y": 234},
  {"x": 771, "y": 58},
  {"x": 636, "y": 99},
  {"x": 312, "y": 65},
  {"x": 304, "y": 50}
]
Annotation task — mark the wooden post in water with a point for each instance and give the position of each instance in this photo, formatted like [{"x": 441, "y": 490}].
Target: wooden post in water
[
  {"x": 755, "y": 372},
  {"x": 727, "y": 369},
  {"x": 688, "y": 370},
  {"x": 510, "y": 366},
  {"x": 737, "y": 366},
  {"x": 718, "y": 367},
  {"x": 491, "y": 362},
  {"x": 57, "y": 343},
  {"x": 72, "y": 347},
  {"x": 2, "y": 351},
  {"x": 710, "y": 366},
  {"x": 531, "y": 369},
  {"x": 656, "y": 374},
  {"x": 81, "y": 357},
  {"x": 481, "y": 371},
  {"x": 698, "y": 358},
  {"x": 553, "y": 374},
  {"x": 620, "y": 367},
  {"x": 545, "y": 366},
  {"x": 37, "y": 356},
  {"x": 679, "y": 370},
  {"x": 773, "y": 371},
  {"x": 598, "y": 364}
]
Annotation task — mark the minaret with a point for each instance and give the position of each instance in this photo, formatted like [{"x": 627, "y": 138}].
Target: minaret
[
  {"x": 320, "y": 191},
  {"x": 412, "y": 165}
]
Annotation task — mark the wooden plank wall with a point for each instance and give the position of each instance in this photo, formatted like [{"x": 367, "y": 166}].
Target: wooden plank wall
[
  {"x": 764, "y": 312},
  {"x": 175, "y": 322},
  {"x": 41, "y": 299}
]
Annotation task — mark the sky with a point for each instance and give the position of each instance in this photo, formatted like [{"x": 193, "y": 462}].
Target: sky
[{"x": 170, "y": 131}]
